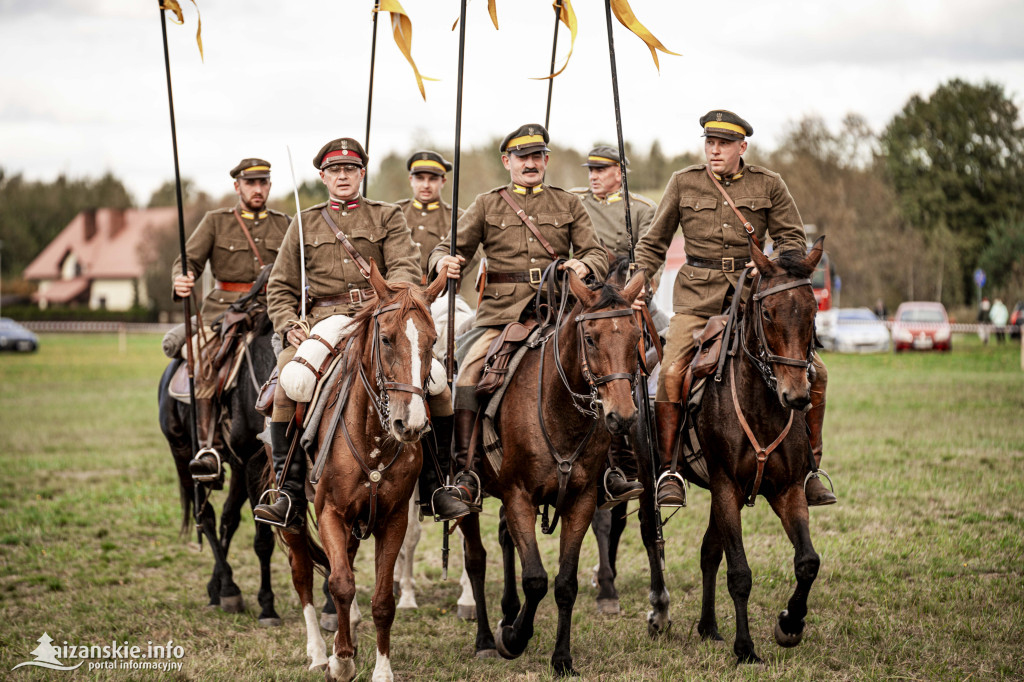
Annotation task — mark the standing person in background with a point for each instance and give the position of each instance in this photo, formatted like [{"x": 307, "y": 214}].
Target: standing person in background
[{"x": 999, "y": 316}]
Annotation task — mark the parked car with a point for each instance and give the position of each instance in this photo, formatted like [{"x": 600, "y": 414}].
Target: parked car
[
  {"x": 1016, "y": 320},
  {"x": 856, "y": 330},
  {"x": 15, "y": 337},
  {"x": 921, "y": 325}
]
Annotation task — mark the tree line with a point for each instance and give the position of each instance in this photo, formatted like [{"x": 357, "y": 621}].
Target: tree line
[{"x": 909, "y": 212}]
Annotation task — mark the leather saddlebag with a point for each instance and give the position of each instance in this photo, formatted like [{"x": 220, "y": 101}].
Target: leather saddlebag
[
  {"x": 709, "y": 347},
  {"x": 500, "y": 354},
  {"x": 265, "y": 401}
]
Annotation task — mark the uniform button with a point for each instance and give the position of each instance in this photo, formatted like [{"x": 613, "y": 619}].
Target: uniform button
[
  {"x": 726, "y": 246},
  {"x": 725, "y": 224},
  {"x": 532, "y": 239},
  {"x": 344, "y": 213},
  {"x": 346, "y": 260},
  {"x": 231, "y": 247},
  {"x": 417, "y": 243},
  {"x": 256, "y": 239},
  {"x": 423, "y": 213},
  {"x": 420, "y": 227},
  {"x": 532, "y": 218},
  {"x": 533, "y": 260}
]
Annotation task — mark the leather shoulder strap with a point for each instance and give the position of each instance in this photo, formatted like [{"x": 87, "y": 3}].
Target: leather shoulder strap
[
  {"x": 529, "y": 223},
  {"x": 364, "y": 267},
  {"x": 728, "y": 199},
  {"x": 252, "y": 244}
]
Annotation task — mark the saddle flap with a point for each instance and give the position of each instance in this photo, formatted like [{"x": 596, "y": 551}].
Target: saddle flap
[
  {"x": 500, "y": 353},
  {"x": 178, "y": 388},
  {"x": 709, "y": 346}
]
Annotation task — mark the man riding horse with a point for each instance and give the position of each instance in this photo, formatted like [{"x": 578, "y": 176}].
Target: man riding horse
[
  {"x": 523, "y": 227},
  {"x": 339, "y": 237},
  {"x": 237, "y": 242},
  {"x": 716, "y": 244}
]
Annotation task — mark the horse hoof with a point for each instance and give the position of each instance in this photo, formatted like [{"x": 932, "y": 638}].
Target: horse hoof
[
  {"x": 658, "y": 624},
  {"x": 565, "y": 670},
  {"x": 499, "y": 642},
  {"x": 608, "y": 607},
  {"x": 269, "y": 622},
  {"x": 784, "y": 639},
  {"x": 407, "y": 604},
  {"x": 329, "y": 622},
  {"x": 232, "y": 604},
  {"x": 487, "y": 653},
  {"x": 340, "y": 670},
  {"x": 749, "y": 659},
  {"x": 467, "y": 612}
]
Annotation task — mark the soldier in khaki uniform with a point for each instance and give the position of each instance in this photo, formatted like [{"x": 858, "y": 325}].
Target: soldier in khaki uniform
[
  {"x": 515, "y": 261},
  {"x": 222, "y": 239},
  {"x": 603, "y": 200},
  {"x": 716, "y": 253},
  {"x": 335, "y": 286},
  {"x": 429, "y": 217}
]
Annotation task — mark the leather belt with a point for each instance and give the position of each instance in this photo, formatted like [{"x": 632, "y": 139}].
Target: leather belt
[
  {"x": 233, "y": 286},
  {"x": 723, "y": 264},
  {"x": 353, "y": 297},
  {"x": 531, "y": 276}
]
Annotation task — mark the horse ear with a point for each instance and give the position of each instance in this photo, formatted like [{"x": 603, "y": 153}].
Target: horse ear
[
  {"x": 437, "y": 286},
  {"x": 377, "y": 281},
  {"x": 579, "y": 289},
  {"x": 761, "y": 261},
  {"x": 814, "y": 255},
  {"x": 634, "y": 286}
]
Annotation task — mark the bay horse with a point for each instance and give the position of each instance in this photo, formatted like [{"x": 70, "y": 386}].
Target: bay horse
[
  {"x": 246, "y": 480},
  {"x": 372, "y": 464},
  {"x": 553, "y": 455}
]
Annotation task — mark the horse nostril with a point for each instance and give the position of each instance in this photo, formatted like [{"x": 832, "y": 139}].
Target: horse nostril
[{"x": 399, "y": 425}]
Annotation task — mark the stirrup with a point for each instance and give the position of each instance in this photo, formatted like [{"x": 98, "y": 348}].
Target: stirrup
[
  {"x": 818, "y": 474},
  {"x": 287, "y": 514},
  {"x": 682, "y": 486},
  {"x": 203, "y": 478},
  {"x": 433, "y": 508},
  {"x": 476, "y": 503},
  {"x": 609, "y": 501}
]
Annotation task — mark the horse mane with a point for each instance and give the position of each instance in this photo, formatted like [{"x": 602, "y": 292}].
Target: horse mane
[
  {"x": 792, "y": 261},
  {"x": 360, "y": 325}
]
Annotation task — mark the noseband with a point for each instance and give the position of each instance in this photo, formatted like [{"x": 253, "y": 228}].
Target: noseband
[{"x": 380, "y": 396}]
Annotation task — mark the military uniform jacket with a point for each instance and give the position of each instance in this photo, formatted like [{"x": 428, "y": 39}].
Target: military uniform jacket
[
  {"x": 376, "y": 229},
  {"x": 220, "y": 241},
  {"x": 609, "y": 217},
  {"x": 510, "y": 246},
  {"x": 428, "y": 226},
  {"x": 693, "y": 204}
]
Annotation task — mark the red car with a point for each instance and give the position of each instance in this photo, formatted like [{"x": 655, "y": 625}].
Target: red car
[{"x": 921, "y": 325}]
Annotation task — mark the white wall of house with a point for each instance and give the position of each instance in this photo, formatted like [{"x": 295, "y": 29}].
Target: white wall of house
[{"x": 114, "y": 294}]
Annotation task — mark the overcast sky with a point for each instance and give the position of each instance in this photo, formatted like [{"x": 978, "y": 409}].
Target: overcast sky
[{"x": 82, "y": 89}]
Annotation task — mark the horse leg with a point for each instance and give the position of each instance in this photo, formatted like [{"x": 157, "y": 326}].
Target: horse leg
[
  {"x": 522, "y": 523},
  {"x": 476, "y": 567},
  {"x": 607, "y": 525},
  {"x": 328, "y": 615},
  {"x": 574, "y": 528},
  {"x": 710, "y": 560},
  {"x": 726, "y": 502},
  {"x": 336, "y": 536},
  {"x": 389, "y": 542},
  {"x": 230, "y": 515},
  {"x": 262, "y": 544},
  {"x": 302, "y": 579},
  {"x": 406, "y": 557},
  {"x": 510, "y": 604},
  {"x": 791, "y": 509},
  {"x": 658, "y": 621}
]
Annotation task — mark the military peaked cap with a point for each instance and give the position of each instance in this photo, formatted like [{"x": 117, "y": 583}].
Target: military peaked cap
[
  {"x": 342, "y": 150},
  {"x": 247, "y": 169},
  {"x": 426, "y": 161},
  {"x": 602, "y": 156},
  {"x": 526, "y": 140},
  {"x": 725, "y": 124}
]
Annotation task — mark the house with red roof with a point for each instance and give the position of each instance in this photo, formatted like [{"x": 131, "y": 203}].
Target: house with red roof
[{"x": 97, "y": 260}]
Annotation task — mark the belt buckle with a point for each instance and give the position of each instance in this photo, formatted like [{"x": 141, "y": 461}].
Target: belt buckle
[
  {"x": 355, "y": 296},
  {"x": 535, "y": 279},
  {"x": 732, "y": 265}
]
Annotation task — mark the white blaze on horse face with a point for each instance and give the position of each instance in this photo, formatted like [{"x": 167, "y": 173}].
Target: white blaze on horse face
[
  {"x": 315, "y": 647},
  {"x": 382, "y": 671},
  {"x": 417, "y": 409}
]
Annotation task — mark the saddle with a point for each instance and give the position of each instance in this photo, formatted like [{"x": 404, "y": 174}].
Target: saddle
[{"x": 499, "y": 354}]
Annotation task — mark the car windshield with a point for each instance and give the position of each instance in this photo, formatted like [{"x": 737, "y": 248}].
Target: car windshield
[
  {"x": 922, "y": 315},
  {"x": 857, "y": 315}
]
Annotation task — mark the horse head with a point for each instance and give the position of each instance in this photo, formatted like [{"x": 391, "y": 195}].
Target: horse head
[
  {"x": 398, "y": 355},
  {"x": 608, "y": 335},
  {"x": 780, "y": 329}
]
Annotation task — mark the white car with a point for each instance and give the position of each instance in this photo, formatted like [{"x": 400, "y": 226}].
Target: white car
[{"x": 856, "y": 330}]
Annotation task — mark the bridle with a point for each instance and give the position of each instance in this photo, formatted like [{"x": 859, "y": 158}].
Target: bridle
[
  {"x": 765, "y": 358},
  {"x": 380, "y": 397}
]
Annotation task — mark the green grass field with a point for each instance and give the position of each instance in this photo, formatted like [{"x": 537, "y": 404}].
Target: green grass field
[{"x": 921, "y": 574}]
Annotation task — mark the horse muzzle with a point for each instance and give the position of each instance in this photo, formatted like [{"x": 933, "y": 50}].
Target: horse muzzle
[{"x": 619, "y": 425}]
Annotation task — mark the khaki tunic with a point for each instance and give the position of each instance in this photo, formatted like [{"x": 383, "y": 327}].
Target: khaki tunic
[
  {"x": 609, "y": 217},
  {"x": 428, "y": 226},
  {"x": 692, "y": 204},
  {"x": 220, "y": 241},
  {"x": 376, "y": 229},
  {"x": 510, "y": 246}
]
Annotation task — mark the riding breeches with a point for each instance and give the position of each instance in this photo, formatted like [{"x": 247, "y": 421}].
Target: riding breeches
[{"x": 472, "y": 369}]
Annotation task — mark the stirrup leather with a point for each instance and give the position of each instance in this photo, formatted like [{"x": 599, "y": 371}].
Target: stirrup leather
[
  {"x": 287, "y": 514},
  {"x": 682, "y": 486},
  {"x": 818, "y": 474},
  {"x": 203, "y": 478}
]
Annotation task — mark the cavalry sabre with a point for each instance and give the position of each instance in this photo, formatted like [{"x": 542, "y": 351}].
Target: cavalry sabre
[{"x": 302, "y": 250}]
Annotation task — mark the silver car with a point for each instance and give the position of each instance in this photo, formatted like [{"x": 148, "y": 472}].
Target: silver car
[
  {"x": 856, "y": 330},
  {"x": 15, "y": 337}
]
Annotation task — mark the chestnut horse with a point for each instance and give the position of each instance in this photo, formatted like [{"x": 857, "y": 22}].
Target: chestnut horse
[
  {"x": 372, "y": 465},
  {"x": 553, "y": 454}
]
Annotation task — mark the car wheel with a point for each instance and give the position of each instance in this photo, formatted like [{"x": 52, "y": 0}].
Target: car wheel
[{"x": 26, "y": 346}]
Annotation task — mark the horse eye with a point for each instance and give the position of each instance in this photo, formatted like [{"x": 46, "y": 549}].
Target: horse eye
[
  {"x": 766, "y": 315},
  {"x": 385, "y": 341},
  {"x": 590, "y": 341}
]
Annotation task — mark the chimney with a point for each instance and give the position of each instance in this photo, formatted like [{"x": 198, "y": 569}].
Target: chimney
[{"x": 89, "y": 216}]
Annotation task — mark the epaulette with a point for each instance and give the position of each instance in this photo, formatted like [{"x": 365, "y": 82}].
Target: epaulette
[
  {"x": 643, "y": 200},
  {"x": 376, "y": 202},
  {"x": 403, "y": 202},
  {"x": 315, "y": 207},
  {"x": 223, "y": 210},
  {"x": 579, "y": 190},
  {"x": 695, "y": 167},
  {"x": 274, "y": 211},
  {"x": 761, "y": 169}
]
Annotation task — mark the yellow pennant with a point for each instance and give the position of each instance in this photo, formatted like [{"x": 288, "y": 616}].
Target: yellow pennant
[
  {"x": 401, "y": 26},
  {"x": 624, "y": 13},
  {"x": 173, "y": 7},
  {"x": 492, "y": 9},
  {"x": 568, "y": 17}
]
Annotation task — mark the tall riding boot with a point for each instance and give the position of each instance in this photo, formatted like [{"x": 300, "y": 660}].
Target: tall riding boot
[
  {"x": 670, "y": 489},
  {"x": 437, "y": 457},
  {"x": 622, "y": 461},
  {"x": 206, "y": 466},
  {"x": 464, "y": 497},
  {"x": 290, "y": 507},
  {"x": 817, "y": 494}
]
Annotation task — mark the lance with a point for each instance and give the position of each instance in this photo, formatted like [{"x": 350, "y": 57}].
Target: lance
[
  {"x": 302, "y": 250},
  {"x": 644, "y": 402},
  {"x": 369, "y": 94},
  {"x": 452, "y": 286},
  {"x": 551, "y": 71},
  {"x": 193, "y": 432}
]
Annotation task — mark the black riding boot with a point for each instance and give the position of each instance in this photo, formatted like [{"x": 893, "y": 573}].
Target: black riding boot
[
  {"x": 437, "y": 457},
  {"x": 206, "y": 465},
  {"x": 617, "y": 487},
  {"x": 452, "y": 503},
  {"x": 289, "y": 510}
]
